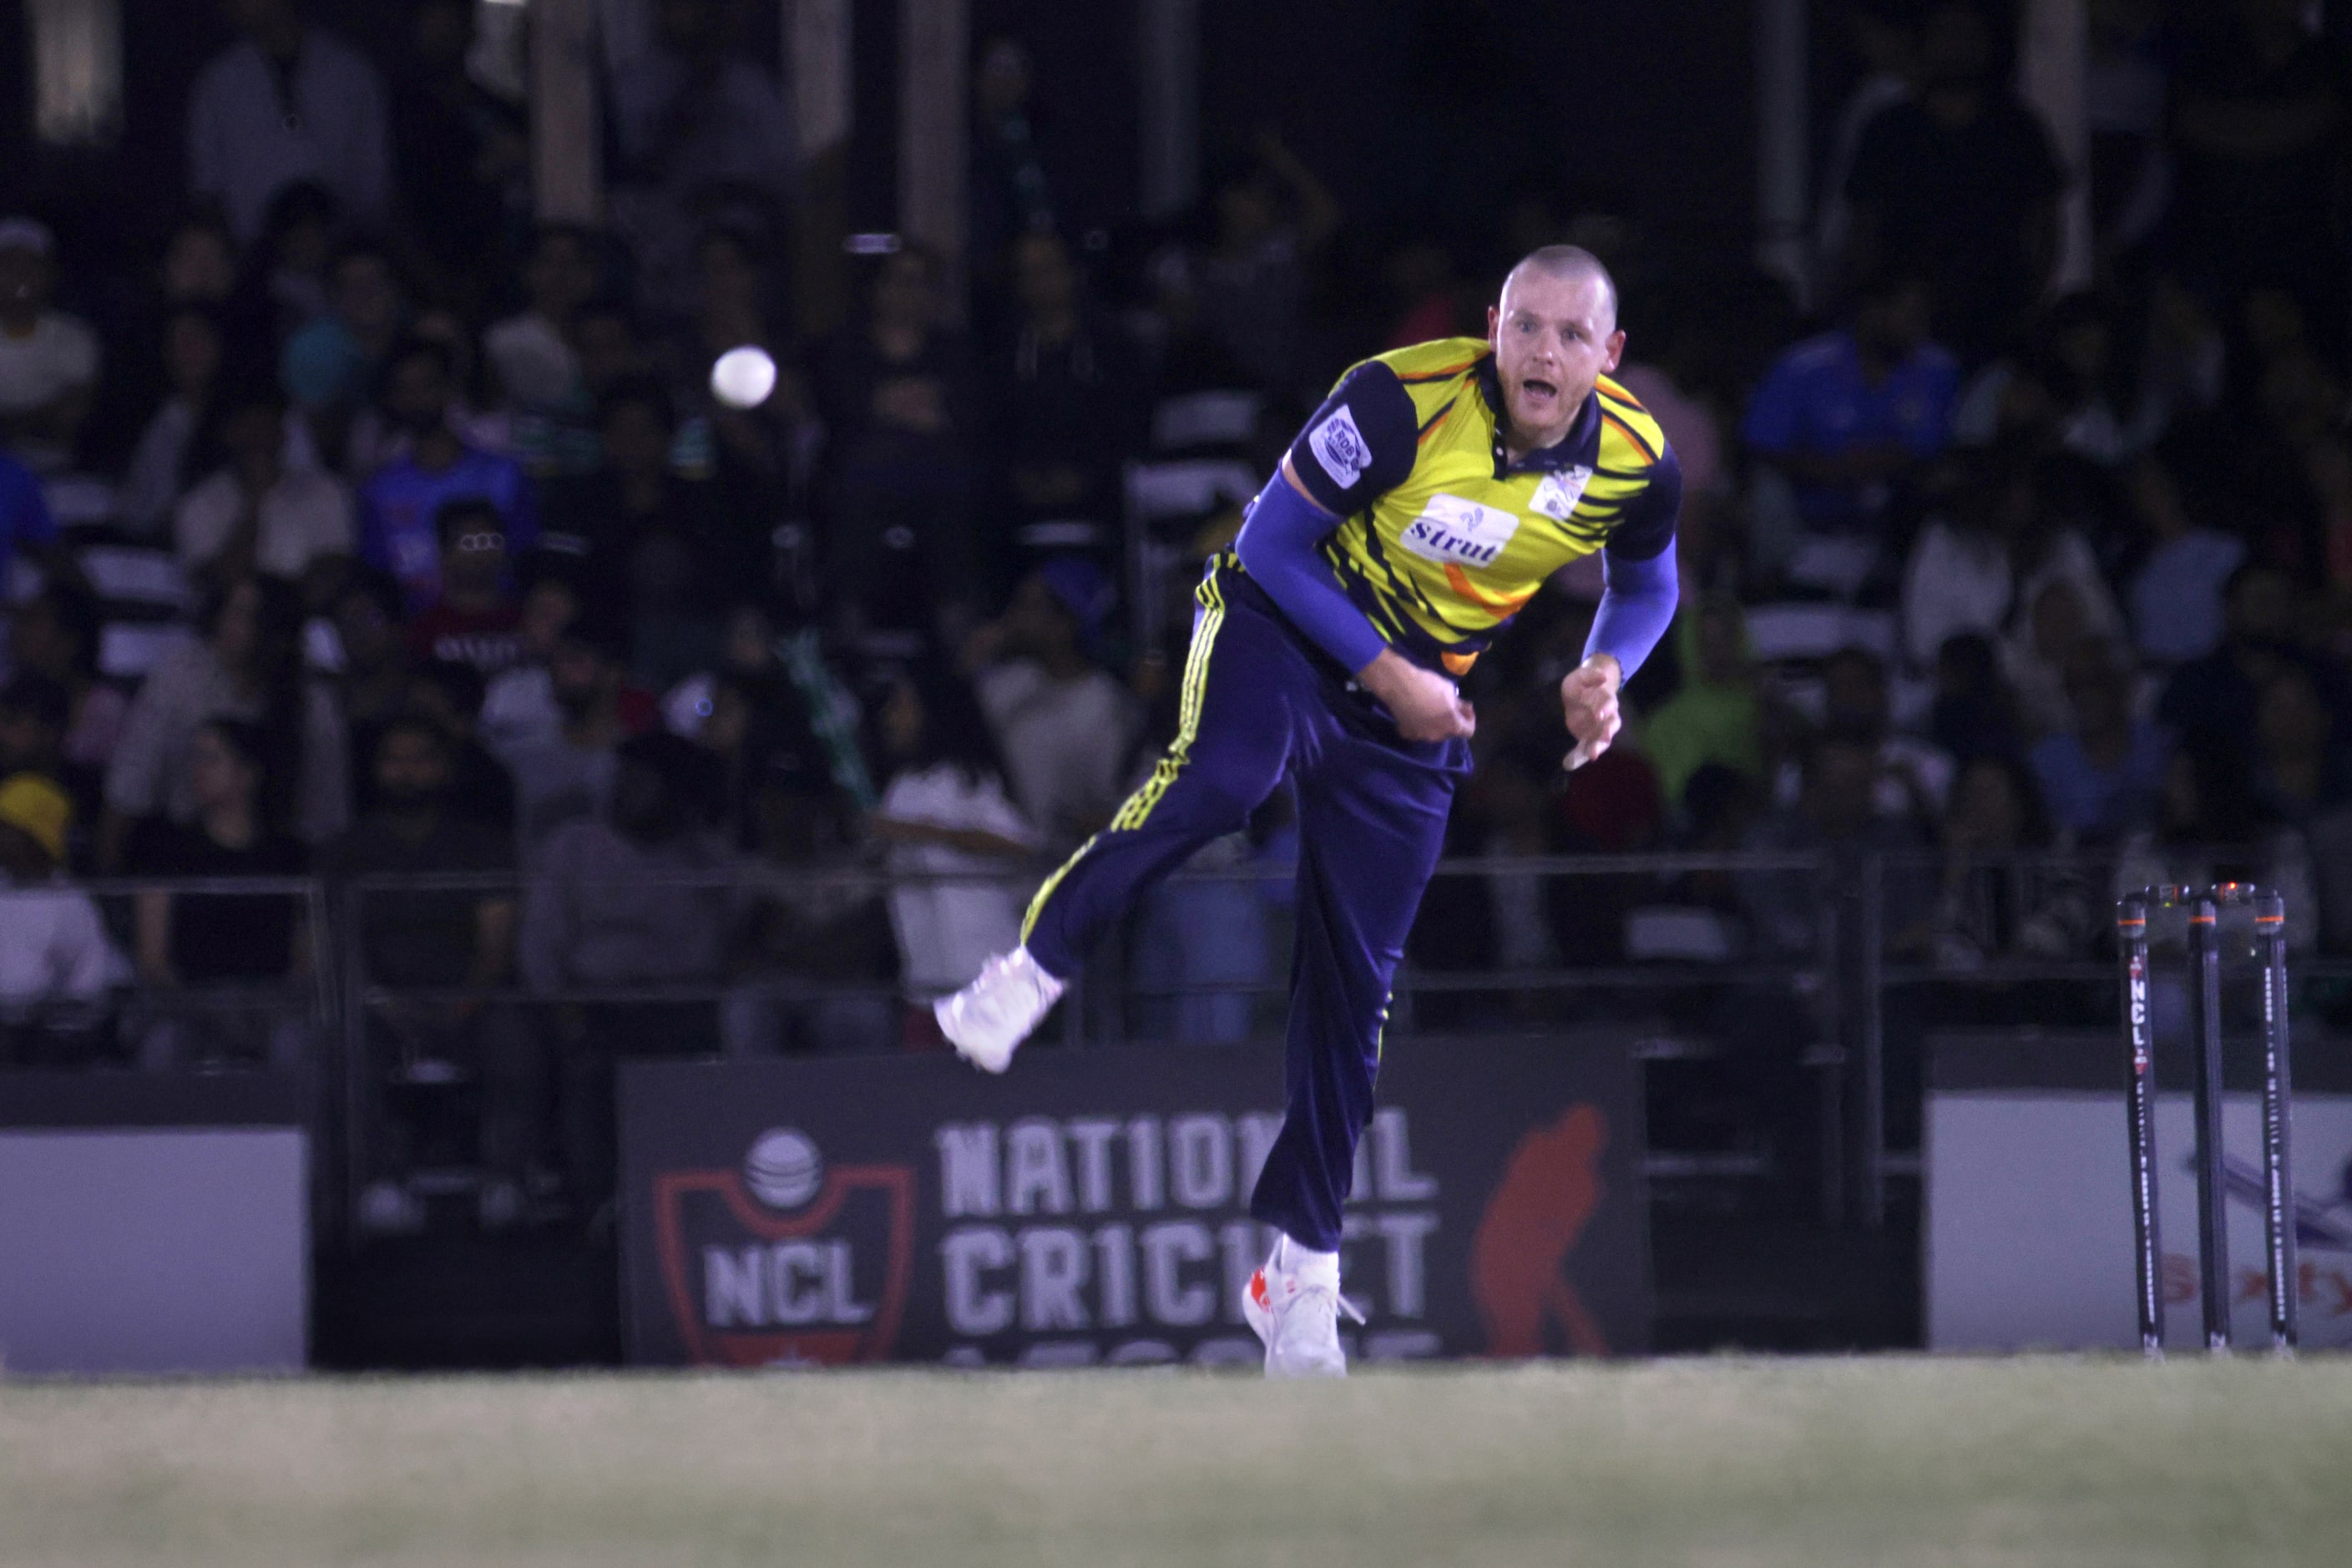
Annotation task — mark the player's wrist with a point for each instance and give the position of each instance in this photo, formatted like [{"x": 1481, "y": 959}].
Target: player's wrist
[{"x": 1606, "y": 666}]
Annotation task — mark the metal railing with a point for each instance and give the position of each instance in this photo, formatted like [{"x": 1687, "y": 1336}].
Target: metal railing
[{"x": 1856, "y": 948}]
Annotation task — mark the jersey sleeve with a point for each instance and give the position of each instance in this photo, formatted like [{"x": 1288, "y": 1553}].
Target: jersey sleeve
[
  {"x": 1361, "y": 443},
  {"x": 1647, "y": 527}
]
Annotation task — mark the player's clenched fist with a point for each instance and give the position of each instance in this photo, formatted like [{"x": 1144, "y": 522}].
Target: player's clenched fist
[
  {"x": 1424, "y": 703},
  {"x": 1589, "y": 697}
]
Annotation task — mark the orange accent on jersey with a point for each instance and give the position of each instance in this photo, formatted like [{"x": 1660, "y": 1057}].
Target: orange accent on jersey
[
  {"x": 1458, "y": 664},
  {"x": 1508, "y": 604},
  {"x": 1443, "y": 415},
  {"x": 1439, "y": 375},
  {"x": 1634, "y": 441}
]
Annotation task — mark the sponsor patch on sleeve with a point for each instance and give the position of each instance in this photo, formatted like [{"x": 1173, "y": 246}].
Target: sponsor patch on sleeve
[{"x": 1339, "y": 446}]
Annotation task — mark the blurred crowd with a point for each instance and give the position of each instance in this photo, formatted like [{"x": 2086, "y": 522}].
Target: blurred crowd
[{"x": 362, "y": 527}]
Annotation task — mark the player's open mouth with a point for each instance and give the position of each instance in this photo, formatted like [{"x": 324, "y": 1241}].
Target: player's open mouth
[{"x": 1542, "y": 394}]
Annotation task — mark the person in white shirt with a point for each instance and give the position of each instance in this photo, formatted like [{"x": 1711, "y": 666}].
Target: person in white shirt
[
  {"x": 259, "y": 513},
  {"x": 532, "y": 351},
  {"x": 289, "y": 103},
  {"x": 53, "y": 946},
  {"x": 944, "y": 815},
  {"x": 1062, "y": 724},
  {"x": 48, "y": 360}
]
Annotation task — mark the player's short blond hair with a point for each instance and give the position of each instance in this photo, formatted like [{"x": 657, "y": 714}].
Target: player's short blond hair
[{"x": 1567, "y": 261}]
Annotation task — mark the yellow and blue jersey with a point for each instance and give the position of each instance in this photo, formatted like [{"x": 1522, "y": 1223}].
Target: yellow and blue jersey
[{"x": 1442, "y": 537}]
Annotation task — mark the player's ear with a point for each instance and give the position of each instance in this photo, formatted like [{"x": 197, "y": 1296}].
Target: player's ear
[
  {"x": 1494, "y": 327},
  {"x": 1616, "y": 345}
]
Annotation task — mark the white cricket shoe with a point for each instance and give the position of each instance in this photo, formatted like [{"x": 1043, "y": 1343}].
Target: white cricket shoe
[
  {"x": 1294, "y": 1304},
  {"x": 989, "y": 1018}
]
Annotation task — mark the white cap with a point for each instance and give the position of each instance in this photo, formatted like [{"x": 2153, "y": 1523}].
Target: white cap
[{"x": 25, "y": 234}]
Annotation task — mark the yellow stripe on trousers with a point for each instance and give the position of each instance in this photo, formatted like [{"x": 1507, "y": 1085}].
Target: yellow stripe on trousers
[{"x": 1132, "y": 815}]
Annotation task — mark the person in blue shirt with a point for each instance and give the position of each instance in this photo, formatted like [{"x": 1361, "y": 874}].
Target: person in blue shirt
[
  {"x": 1847, "y": 416},
  {"x": 25, "y": 520},
  {"x": 399, "y": 505}
]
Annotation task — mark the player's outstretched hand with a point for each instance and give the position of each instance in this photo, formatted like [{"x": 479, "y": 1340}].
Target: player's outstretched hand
[
  {"x": 1424, "y": 703},
  {"x": 1589, "y": 698}
]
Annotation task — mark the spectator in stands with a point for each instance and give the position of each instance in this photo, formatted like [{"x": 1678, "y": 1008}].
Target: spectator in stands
[
  {"x": 2221, "y": 694},
  {"x": 400, "y": 505},
  {"x": 332, "y": 366},
  {"x": 533, "y": 352},
  {"x": 1062, "y": 724},
  {"x": 1848, "y": 418},
  {"x": 25, "y": 520},
  {"x": 560, "y": 442},
  {"x": 2072, "y": 386},
  {"x": 55, "y": 635},
  {"x": 2101, "y": 777},
  {"x": 170, "y": 456},
  {"x": 811, "y": 936},
  {"x": 2176, "y": 596},
  {"x": 1915, "y": 776},
  {"x": 372, "y": 680},
  {"x": 284, "y": 283},
  {"x": 672, "y": 548},
  {"x": 1012, "y": 195},
  {"x": 697, "y": 122},
  {"x": 199, "y": 265},
  {"x": 53, "y": 946},
  {"x": 473, "y": 620},
  {"x": 1835, "y": 814},
  {"x": 289, "y": 103},
  {"x": 1975, "y": 714},
  {"x": 1717, "y": 717},
  {"x": 901, "y": 403},
  {"x": 1992, "y": 903},
  {"x": 1885, "y": 36},
  {"x": 520, "y": 705},
  {"x": 480, "y": 788},
  {"x": 2210, "y": 826},
  {"x": 637, "y": 901},
  {"x": 2257, "y": 127},
  {"x": 204, "y": 941},
  {"x": 568, "y": 775},
  {"x": 462, "y": 154},
  {"x": 257, "y": 513},
  {"x": 48, "y": 360},
  {"x": 248, "y": 665},
  {"x": 945, "y": 814},
  {"x": 2303, "y": 768},
  {"x": 34, "y": 711},
  {"x": 417, "y": 939},
  {"x": 1069, "y": 400},
  {"x": 1247, "y": 292},
  {"x": 1960, "y": 184}
]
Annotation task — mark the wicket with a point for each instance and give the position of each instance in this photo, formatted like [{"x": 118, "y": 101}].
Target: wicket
[{"x": 2204, "y": 906}]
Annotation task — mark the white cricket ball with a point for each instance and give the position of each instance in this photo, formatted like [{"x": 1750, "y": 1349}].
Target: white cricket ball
[{"x": 744, "y": 377}]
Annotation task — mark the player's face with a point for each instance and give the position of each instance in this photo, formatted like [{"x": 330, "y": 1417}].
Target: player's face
[{"x": 1553, "y": 338}]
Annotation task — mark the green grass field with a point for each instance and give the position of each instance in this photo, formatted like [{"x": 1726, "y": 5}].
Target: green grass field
[{"x": 1716, "y": 1462}]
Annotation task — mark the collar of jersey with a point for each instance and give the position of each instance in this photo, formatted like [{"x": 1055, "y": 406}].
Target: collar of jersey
[{"x": 1580, "y": 448}]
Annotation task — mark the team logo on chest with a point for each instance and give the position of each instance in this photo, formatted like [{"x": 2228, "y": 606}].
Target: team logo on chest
[
  {"x": 1558, "y": 494},
  {"x": 1462, "y": 532}
]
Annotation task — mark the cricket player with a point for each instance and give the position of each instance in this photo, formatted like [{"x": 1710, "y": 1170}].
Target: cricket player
[{"x": 1424, "y": 504}]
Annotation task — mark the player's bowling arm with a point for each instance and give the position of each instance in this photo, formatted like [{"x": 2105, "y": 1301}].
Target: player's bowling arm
[
  {"x": 1279, "y": 548},
  {"x": 1641, "y": 581},
  {"x": 1424, "y": 704}
]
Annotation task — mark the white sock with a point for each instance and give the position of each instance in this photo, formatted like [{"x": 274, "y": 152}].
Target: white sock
[{"x": 1305, "y": 1265}]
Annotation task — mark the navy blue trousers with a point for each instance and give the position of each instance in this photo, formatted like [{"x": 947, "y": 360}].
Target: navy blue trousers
[{"x": 1259, "y": 700}]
